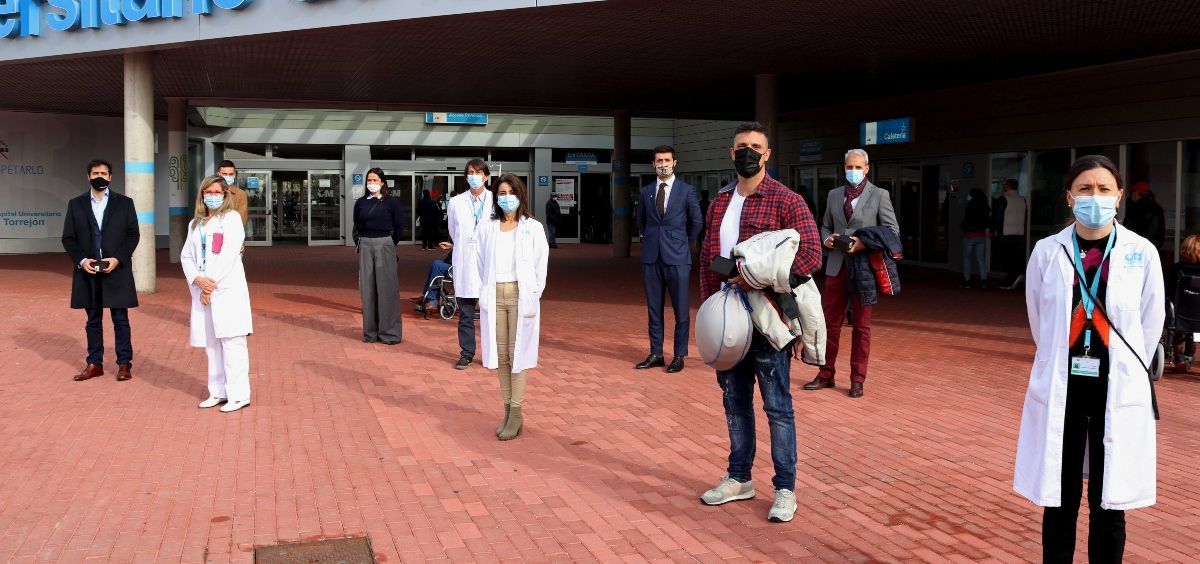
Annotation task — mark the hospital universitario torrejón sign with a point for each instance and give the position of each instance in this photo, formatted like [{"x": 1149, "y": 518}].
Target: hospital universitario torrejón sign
[{"x": 31, "y": 18}]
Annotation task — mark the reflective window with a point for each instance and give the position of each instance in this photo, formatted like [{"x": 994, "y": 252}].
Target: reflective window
[{"x": 1150, "y": 193}]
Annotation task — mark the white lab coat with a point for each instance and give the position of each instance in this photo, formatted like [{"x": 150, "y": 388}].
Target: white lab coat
[
  {"x": 231, "y": 299},
  {"x": 460, "y": 222},
  {"x": 532, "y": 252},
  {"x": 1134, "y": 301}
]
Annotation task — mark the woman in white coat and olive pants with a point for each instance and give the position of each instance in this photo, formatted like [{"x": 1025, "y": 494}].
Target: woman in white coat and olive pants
[
  {"x": 512, "y": 265},
  {"x": 1089, "y": 409},
  {"x": 212, "y": 264}
]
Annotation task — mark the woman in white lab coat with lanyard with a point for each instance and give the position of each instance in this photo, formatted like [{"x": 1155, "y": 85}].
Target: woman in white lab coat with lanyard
[
  {"x": 512, "y": 267},
  {"x": 1090, "y": 405},
  {"x": 212, "y": 265}
]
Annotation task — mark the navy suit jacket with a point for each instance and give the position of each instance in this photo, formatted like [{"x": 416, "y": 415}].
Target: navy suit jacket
[{"x": 668, "y": 238}]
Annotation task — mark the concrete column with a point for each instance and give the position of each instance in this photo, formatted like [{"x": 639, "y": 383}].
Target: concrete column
[
  {"x": 139, "y": 162},
  {"x": 179, "y": 172},
  {"x": 620, "y": 183},
  {"x": 766, "y": 112},
  {"x": 543, "y": 166}
]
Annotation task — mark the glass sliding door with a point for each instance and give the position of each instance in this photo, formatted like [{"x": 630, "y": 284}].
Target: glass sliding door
[
  {"x": 325, "y": 208},
  {"x": 257, "y": 184}
]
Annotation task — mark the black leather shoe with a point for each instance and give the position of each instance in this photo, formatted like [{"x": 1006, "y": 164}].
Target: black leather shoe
[
  {"x": 819, "y": 383},
  {"x": 676, "y": 365},
  {"x": 463, "y": 362},
  {"x": 856, "y": 389},
  {"x": 650, "y": 362}
]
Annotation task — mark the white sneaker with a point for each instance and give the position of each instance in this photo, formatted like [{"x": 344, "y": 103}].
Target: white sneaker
[
  {"x": 234, "y": 406},
  {"x": 784, "y": 507},
  {"x": 212, "y": 401},
  {"x": 728, "y": 490}
]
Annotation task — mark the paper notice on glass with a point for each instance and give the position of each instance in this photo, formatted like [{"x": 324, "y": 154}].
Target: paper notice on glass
[{"x": 323, "y": 183}]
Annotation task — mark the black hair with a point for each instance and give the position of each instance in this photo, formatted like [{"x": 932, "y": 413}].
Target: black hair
[
  {"x": 99, "y": 162},
  {"x": 226, "y": 164},
  {"x": 378, "y": 172},
  {"x": 750, "y": 126},
  {"x": 664, "y": 149}
]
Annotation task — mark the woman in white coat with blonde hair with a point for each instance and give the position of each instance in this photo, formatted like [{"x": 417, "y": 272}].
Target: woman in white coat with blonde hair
[
  {"x": 512, "y": 266},
  {"x": 212, "y": 265},
  {"x": 1090, "y": 407}
]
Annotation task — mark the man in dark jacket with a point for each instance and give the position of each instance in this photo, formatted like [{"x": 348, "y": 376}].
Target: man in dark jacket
[
  {"x": 553, "y": 215},
  {"x": 1145, "y": 216},
  {"x": 431, "y": 219},
  {"x": 100, "y": 232}
]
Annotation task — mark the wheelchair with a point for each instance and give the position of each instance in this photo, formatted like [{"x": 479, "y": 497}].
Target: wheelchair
[
  {"x": 446, "y": 306},
  {"x": 1182, "y": 323}
]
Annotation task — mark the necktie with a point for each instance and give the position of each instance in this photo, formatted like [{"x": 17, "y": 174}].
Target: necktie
[{"x": 661, "y": 199}]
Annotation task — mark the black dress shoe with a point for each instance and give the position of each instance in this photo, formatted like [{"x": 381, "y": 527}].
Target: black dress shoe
[
  {"x": 676, "y": 365},
  {"x": 650, "y": 362},
  {"x": 818, "y": 383},
  {"x": 856, "y": 389},
  {"x": 463, "y": 362}
]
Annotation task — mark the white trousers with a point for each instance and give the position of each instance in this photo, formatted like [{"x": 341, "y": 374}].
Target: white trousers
[{"x": 228, "y": 364}]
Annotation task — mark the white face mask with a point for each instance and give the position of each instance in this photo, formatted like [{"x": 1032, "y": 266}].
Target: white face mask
[{"x": 374, "y": 188}]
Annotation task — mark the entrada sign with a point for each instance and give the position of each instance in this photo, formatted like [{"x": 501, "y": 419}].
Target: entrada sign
[{"x": 24, "y": 18}]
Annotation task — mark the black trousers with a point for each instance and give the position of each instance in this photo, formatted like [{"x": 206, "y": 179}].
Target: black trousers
[
  {"x": 1084, "y": 426},
  {"x": 466, "y": 326},
  {"x": 1010, "y": 253},
  {"x": 95, "y": 330}
]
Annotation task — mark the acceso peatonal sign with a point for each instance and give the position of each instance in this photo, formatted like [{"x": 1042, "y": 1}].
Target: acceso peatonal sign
[{"x": 30, "y": 18}]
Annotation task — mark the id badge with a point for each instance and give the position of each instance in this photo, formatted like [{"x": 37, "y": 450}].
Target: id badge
[
  {"x": 472, "y": 241},
  {"x": 1085, "y": 366}
]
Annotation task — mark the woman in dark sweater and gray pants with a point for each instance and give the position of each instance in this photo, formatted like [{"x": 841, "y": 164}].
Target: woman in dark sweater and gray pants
[{"x": 378, "y": 224}]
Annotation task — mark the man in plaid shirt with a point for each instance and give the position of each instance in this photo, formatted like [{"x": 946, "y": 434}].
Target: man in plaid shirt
[{"x": 754, "y": 204}]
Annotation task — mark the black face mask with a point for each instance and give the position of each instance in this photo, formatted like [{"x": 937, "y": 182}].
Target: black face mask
[
  {"x": 99, "y": 183},
  {"x": 745, "y": 160}
]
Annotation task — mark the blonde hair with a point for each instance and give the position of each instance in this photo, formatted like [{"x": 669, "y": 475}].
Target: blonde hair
[
  {"x": 1189, "y": 251},
  {"x": 201, "y": 209}
]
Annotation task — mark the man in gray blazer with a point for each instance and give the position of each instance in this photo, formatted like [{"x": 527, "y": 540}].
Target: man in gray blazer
[{"x": 855, "y": 205}]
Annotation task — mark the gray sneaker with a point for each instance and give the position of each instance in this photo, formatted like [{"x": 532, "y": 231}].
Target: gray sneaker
[
  {"x": 784, "y": 507},
  {"x": 728, "y": 490}
]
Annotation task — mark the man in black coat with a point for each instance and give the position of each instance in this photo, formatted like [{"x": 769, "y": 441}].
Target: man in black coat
[
  {"x": 100, "y": 233},
  {"x": 553, "y": 215}
]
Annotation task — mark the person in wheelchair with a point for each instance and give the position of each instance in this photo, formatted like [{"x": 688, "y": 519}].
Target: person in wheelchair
[
  {"x": 430, "y": 300},
  {"x": 1186, "y": 303}
]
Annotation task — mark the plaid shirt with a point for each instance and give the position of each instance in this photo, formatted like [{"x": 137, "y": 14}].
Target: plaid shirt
[{"x": 771, "y": 208}]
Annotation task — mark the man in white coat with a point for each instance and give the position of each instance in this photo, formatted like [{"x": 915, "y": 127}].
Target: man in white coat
[
  {"x": 1090, "y": 408},
  {"x": 465, "y": 213}
]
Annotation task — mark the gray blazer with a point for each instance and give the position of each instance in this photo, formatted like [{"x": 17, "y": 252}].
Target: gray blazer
[{"x": 874, "y": 208}]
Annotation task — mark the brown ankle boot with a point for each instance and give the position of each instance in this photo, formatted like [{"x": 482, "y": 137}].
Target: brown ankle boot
[{"x": 512, "y": 427}]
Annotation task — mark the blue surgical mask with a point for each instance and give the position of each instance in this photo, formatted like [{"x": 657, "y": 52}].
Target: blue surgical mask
[
  {"x": 509, "y": 203},
  {"x": 855, "y": 177},
  {"x": 214, "y": 202},
  {"x": 1095, "y": 212},
  {"x": 230, "y": 180},
  {"x": 474, "y": 181}
]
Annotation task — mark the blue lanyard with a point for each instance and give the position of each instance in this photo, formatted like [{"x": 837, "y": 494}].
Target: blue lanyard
[
  {"x": 1088, "y": 305},
  {"x": 203, "y": 246}
]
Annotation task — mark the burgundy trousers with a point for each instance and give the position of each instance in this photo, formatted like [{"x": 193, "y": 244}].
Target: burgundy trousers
[{"x": 833, "y": 300}]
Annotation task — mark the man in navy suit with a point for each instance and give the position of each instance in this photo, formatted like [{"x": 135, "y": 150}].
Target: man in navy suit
[{"x": 669, "y": 220}]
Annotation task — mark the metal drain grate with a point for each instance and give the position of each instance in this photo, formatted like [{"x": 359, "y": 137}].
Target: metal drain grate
[{"x": 355, "y": 550}]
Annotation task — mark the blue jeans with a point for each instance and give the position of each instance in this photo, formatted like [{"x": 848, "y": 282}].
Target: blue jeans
[
  {"x": 975, "y": 250},
  {"x": 772, "y": 368},
  {"x": 438, "y": 268}
]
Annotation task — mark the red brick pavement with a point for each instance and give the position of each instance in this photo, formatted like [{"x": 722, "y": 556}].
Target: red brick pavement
[{"x": 346, "y": 438}]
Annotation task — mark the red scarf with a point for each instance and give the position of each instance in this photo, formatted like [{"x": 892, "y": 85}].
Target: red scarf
[{"x": 852, "y": 192}]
